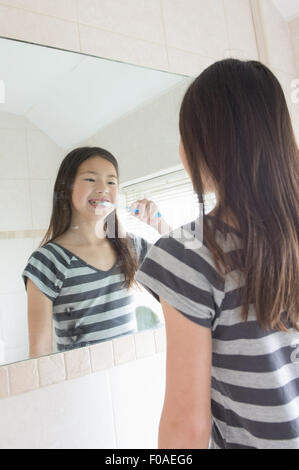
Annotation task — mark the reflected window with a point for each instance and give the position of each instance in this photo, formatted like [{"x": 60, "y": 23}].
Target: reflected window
[{"x": 175, "y": 197}]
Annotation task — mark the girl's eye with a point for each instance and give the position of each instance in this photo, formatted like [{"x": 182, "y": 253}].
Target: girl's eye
[
  {"x": 111, "y": 182},
  {"x": 89, "y": 179}
]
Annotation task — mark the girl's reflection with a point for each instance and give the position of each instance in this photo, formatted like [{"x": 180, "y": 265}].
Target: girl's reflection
[{"x": 83, "y": 271}]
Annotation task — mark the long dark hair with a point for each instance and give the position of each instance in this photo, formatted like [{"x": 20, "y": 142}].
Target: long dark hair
[
  {"x": 235, "y": 126},
  {"x": 62, "y": 209}
]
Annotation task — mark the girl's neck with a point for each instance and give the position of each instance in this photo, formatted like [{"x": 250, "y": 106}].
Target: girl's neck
[{"x": 85, "y": 234}]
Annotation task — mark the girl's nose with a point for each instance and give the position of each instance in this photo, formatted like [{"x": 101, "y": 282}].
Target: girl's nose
[{"x": 102, "y": 188}]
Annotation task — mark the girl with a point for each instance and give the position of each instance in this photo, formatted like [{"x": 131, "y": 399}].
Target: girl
[
  {"x": 82, "y": 273},
  {"x": 235, "y": 365}
]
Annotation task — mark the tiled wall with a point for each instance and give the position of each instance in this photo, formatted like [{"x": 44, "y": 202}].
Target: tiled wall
[
  {"x": 174, "y": 35},
  {"x": 25, "y": 376},
  {"x": 147, "y": 138},
  {"x": 25, "y": 184},
  {"x": 109, "y": 395},
  {"x": 294, "y": 30},
  {"x": 180, "y": 36},
  {"x": 281, "y": 50}
]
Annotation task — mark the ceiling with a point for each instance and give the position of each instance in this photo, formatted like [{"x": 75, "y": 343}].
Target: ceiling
[
  {"x": 288, "y": 8},
  {"x": 71, "y": 96}
]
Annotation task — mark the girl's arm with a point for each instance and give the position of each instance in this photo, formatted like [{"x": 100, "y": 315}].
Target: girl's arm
[
  {"x": 40, "y": 310},
  {"x": 186, "y": 417}
]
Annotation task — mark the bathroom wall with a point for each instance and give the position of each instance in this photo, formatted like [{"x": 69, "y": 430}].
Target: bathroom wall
[
  {"x": 145, "y": 141},
  {"x": 108, "y": 395},
  {"x": 25, "y": 194},
  {"x": 294, "y": 30},
  {"x": 281, "y": 51},
  {"x": 182, "y": 36}
]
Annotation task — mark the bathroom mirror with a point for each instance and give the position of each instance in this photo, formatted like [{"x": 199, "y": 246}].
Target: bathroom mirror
[{"x": 52, "y": 101}]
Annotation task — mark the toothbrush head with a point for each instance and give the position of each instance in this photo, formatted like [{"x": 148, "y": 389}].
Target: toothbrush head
[{"x": 105, "y": 203}]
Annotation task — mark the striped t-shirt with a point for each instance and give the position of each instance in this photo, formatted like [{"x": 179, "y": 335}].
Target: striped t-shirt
[
  {"x": 255, "y": 373},
  {"x": 89, "y": 305}
]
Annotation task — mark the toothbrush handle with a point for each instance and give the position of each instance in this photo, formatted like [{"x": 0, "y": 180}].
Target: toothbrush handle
[{"x": 136, "y": 211}]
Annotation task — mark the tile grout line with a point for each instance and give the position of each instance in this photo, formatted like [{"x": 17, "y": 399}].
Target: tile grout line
[
  {"x": 8, "y": 383},
  {"x": 261, "y": 42},
  {"x": 90, "y": 362},
  {"x": 255, "y": 30},
  {"x": 164, "y": 32},
  {"x": 17, "y": 234},
  {"x": 66, "y": 375},
  {"x": 113, "y": 409},
  {"x": 38, "y": 375},
  {"x": 78, "y": 22},
  {"x": 228, "y": 38},
  {"x": 29, "y": 179},
  {"x": 5, "y": 4},
  {"x": 78, "y": 25}
]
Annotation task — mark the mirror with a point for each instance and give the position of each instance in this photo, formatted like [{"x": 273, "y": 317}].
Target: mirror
[{"x": 53, "y": 101}]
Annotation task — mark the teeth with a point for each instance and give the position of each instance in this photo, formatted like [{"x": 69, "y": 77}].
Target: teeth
[{"x": 96, "y": 203}]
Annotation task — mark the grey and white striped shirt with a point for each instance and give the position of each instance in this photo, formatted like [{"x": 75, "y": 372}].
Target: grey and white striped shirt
[
  {"x": 255, "y": 373},
  {"x": 89, "y": 305}
]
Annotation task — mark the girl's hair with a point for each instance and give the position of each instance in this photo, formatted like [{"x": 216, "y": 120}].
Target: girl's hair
[
  {"x": 62, "y": 209},
  {"x": 236, "y": 128}
]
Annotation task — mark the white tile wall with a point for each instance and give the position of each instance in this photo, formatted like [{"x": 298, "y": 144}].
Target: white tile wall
[
  {"x": 294, "y": 30},
  {"x": 196, "y": 26},
  {"x": 13, "y": 155},
  {"x": 160, "y": 339},
  {"x": 137, "y": 393},
  {"x": 116, "y": 46},
  {"x": 135, "y": 18},
  {"x": 101, "y": 356},
  {"x": 114, "y": 408},
  {"x": 25, "y": 153},
  {"x": 241, "y": 34},
  {"x": 188, "y": 63},
  {"x": 15, "y": 205},
  {"x": 124, "y": 349},
  {"x": 145, "y": 344},
  {"x": 44, "y": 156},
  {"x": 14, "y": 318},
  {"x": 60, "y": 8},
  {"x": 23, "y": 377},
  {"x": 278, "y": 39},
  {"x": 12, "y": 121},
  {"x": 14, "y": 254},
  {"x": 41, "y": 195},
  {"x": 51, "y": 369},
  {"x": 4, "y": 387},
  {"x": 27, "y": 26},
  {"x": 74, "y": 414},
  {"x": 156, "y": 127},
  {"x": 77, "y": 363}
]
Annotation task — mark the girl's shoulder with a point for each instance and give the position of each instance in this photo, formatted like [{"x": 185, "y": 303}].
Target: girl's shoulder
[
  {"x": 51, "y": 254},
  {"x": 47, "y": 268}
]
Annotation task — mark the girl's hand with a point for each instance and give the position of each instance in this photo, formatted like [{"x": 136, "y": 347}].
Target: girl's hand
[{"x": 147, "y": 213}]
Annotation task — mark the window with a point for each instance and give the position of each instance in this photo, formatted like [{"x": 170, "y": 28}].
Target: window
[{"x": 173, "y": 193}]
